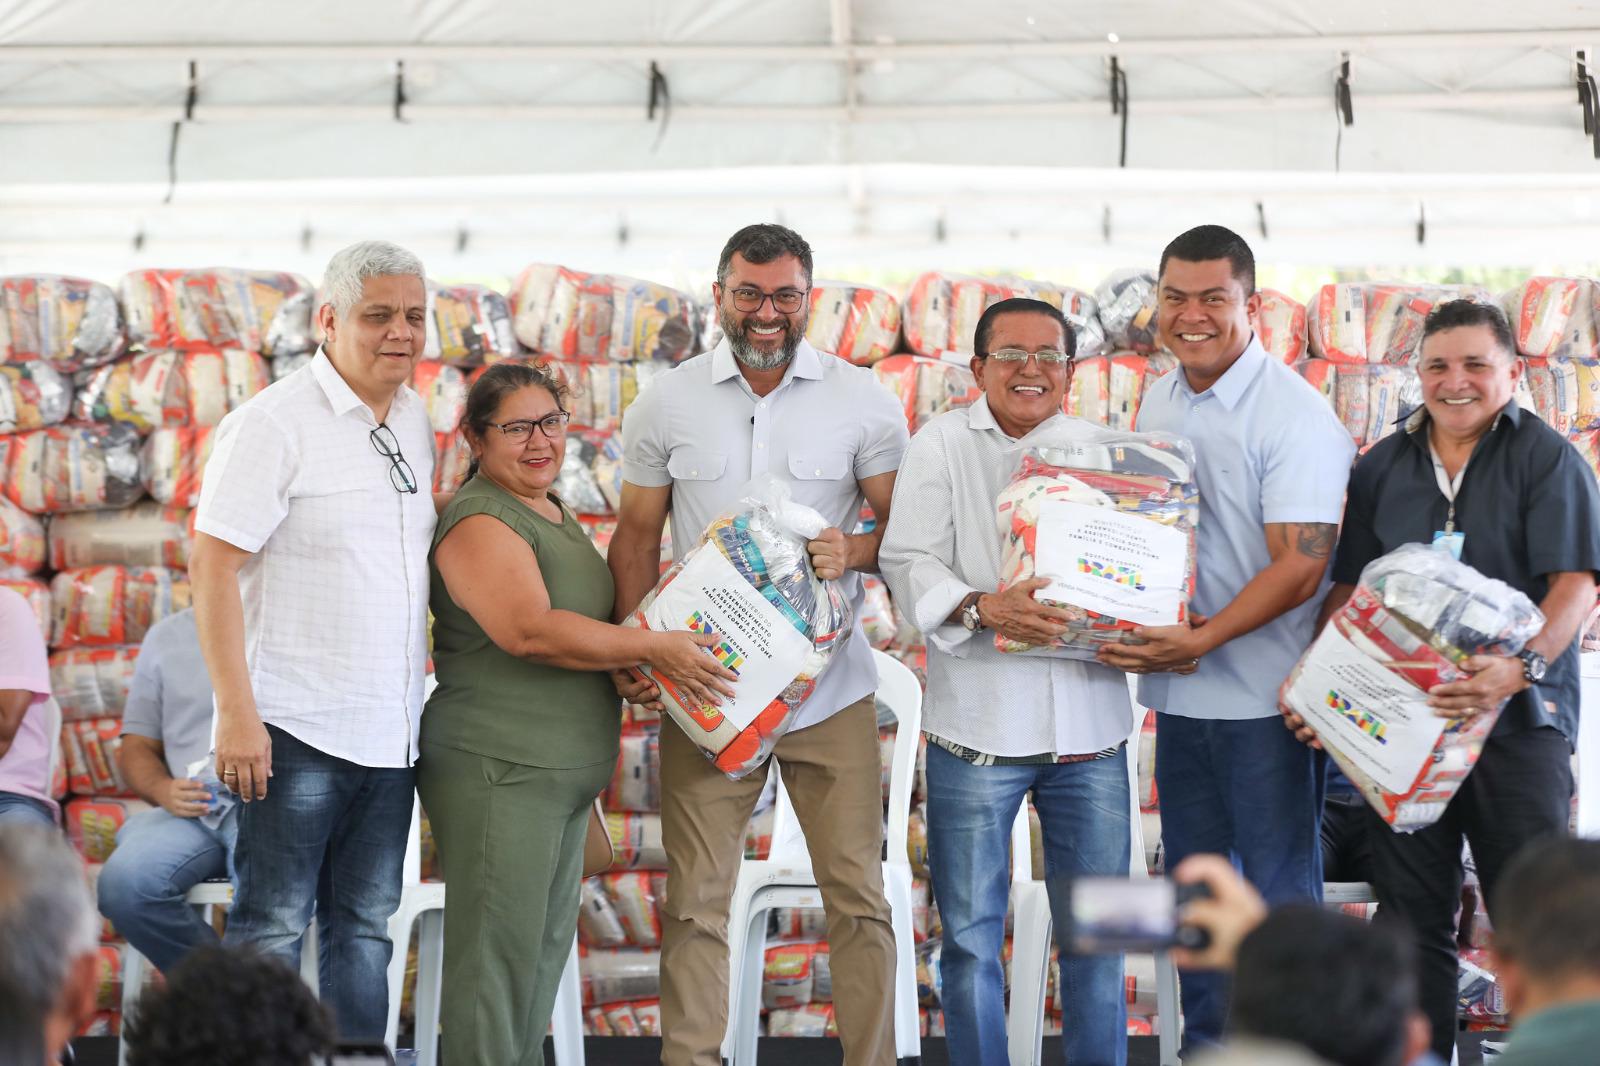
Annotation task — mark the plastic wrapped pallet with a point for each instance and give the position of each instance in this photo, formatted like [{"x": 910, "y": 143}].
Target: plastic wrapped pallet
[
  {"x": 172, "y": 388},
  {"x": 1554, "y": 318},
  {"x": 468, "y": 325},
  {"x": 101, "y": 605},
  {"x": 22, "y": 541},
  {"x": 72, "y": 468},
  {"x": 89, "y": 749},
  {"x": 260, "y": 311},
  {"x": 172, "y": 461},
  {"x": 32, "y": 396},
  {"x": 857, "y": 323},
  {"x": 92, "y": 682},
  {"x": 37, "y": 593},
  {"x": 750, "y": 580},
  {"x": 1376, "y": 323},
  {"x": 1415, "y": 617},
  {"x": 941, "y": 310},
  {"x": 146, "y": 534},
  {"x": 1280, "y": 325},
  {"x": 1109, "y": 518},
  {"x": 573, "y": 314},
  {"x": 1127, "y": 303},
  {"x": 69, "y": 323},
  {"x": 926, "y": 386}
]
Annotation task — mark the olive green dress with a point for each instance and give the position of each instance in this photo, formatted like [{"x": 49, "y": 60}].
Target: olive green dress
[{"x": 513, "y": 754}]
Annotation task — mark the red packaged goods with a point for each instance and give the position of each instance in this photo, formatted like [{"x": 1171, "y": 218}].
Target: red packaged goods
[
  {"x": 1110, "y": 519},
  {"x": 633, "y": 895},
  {"x": 108, "y": 989},
  {"x": 146, "y": 534},
  {"x": 1089, "y": 396},
  {"x": 570, "y": 313},
  {"x": 621, "y": 975},
  {"x": 1280, "y": 325},
  {"x": 1127, "y": 376},
  {"x": 172, "y": 461},
  {"x": 636, "y": 840},
  {"x": 92, "y": 682},
  {"x": 468, "y": 325},
  {"x": 93, "y": 821},
  {"x": 788, "y": 976},
  {"x": 443, "y": 389},
  {"x": 72, "y": 468},
  {"x": 929, "y": 386},
  {"x": 1566, "y": 392},
  {"x": 260, "y": 311},
  {"x": 1416, "y": 615},
  {"x": 101, "y": 605},
  {"x": 809, "y": 1020},
  {"x": 749, "y": 580},
  {"x": 941, "y": 310},
  {"x": 1148, "y": 800},
  {"x": 452, "y": 456},
  {"x": 1376, "y": 323},
  {"x": 1368, "y": 400},
  {"x": 70, "y": 323},
  {"x": 1554, "y": 318},
  {"x": 89, "y": 750},
  {"x": 22, "y": 541},
  {"x": 855, "y": 322},
  {"x": 33, "y": 395},
  {"x": 37, "y": 593},
  {"x": 172, "y": 388}
]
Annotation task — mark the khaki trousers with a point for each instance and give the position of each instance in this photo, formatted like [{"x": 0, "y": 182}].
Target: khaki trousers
[{"x": 832, "y": 773}]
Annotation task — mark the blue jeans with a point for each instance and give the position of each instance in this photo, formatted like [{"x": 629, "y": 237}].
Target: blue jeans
[
  {"x": 1250, "y": 791},
  {"x": 333, "y": 831},
  {"x": 159, "y": 858},
  {"x": 1083, "y": 809},
  {"x": 16, "y": 808}
]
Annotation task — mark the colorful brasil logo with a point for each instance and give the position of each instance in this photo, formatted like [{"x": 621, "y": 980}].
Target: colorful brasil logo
[
  {"x": 1126, "y": 576},
  {"x": 721, "y": 650},
  {"x": 1362, "y": 720}
]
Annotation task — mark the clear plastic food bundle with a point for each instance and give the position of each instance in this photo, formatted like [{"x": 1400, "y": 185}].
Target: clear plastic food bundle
[
  {"x": 172, "y": 462},
  {"x": 928, "y": 387},
  {"x": 559, "y": 311},
  {"x": 1376, "y": 323},
  {"x": 99, "y": 605},
  {"x": 941, "y": 310},
  {"x": 1368, "y": 400},
  {"x": 576, "y": 483},
  {"x": 1415, "y": 617},
  {"x": 443, "y": 389},
  {"x": 92, "y": 682},
  {"x": 468, "y": 325},
  {"x": 147, "y": 534},
  {"x": 22, "y": 541},
  {"x": 33, "y": 395},
  {"x": 452, "y": 457},
  {"x": 69, "y": 323},
  {"x": 89, "y": 749},
  {"x": 1280, "y": 325},
  {"x": 1109, "y": 518},
  {"x": 37, "y": 593},
  {"x": 258, "y": 310},
  {"x": 855, "y": 322},
  {"x": 1127, "y": 302},
  {"x": 172, "y": 388},
  {"x": 1107, "y": 389},
  {"x": 1554, "y": 318},
  {"x": 749, "y": 580},
  {"x": 1565, "y": 392},
  {"x": 72, "y": 468}
]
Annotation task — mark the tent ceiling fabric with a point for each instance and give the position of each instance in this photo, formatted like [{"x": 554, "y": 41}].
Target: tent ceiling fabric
[{"x": 294, "y": 90}]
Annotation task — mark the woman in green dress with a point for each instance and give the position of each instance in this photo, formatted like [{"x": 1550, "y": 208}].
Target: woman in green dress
[{"x": 523, "y": 730}]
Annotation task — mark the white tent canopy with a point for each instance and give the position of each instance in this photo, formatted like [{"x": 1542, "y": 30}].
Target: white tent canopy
[{"x": 492, "y": 133}]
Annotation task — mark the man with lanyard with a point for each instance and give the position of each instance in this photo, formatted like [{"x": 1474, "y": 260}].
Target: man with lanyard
[
  {"x": 765, "y": 401},
  {"x": 1478, "y": 477},
  {"x": 1272, "y": 462}
]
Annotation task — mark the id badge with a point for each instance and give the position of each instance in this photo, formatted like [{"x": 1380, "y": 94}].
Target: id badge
[{"x": 1449, "y": 542}]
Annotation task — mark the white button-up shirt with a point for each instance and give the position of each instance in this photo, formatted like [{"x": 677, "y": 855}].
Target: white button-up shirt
[
  {"x": 336, "y": 596},
  {"x": 942, "y": 545},
  {"x": 701, "y": 429}
]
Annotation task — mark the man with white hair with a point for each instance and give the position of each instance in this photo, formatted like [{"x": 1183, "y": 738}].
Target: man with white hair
[
  {"x": 48, "y": 937},
  {"x": 310, "y": 577}
]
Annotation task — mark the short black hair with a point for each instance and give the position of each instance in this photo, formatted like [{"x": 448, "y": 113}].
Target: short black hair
[
  {"x": 1022, "y": 305},
  {"x": 1330, "y": 983},
  {"x": 1545, "y": 917},
  {"x": 1455, "y": 314},
  {"x": 229, "y": 1007},
  {"x": 764, "y": 242},
  {"x": 1213, "y": 242}
]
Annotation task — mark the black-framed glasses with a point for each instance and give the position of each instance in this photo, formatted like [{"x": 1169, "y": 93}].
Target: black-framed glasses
[
  {"x": 1044, "y": 356},
  {"x": 400, "y": 473},
  {"x": 784, "y": 301},
  {"x": 520, "y": 430}
]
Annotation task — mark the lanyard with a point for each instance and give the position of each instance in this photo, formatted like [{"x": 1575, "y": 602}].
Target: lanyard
[{"x": 1449, "y": 486}]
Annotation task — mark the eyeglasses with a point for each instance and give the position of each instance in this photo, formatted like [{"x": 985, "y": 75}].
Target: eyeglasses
[
  {"x": 400, "y": 474},
  {"x": 784, "y": 301},
  {"x": 1045, "y": 356},
  {"x": 520, "y": 431}
]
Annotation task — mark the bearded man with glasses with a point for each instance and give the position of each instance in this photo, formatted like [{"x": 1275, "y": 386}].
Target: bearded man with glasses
[
  {"x": 765, "y": 402},
  {"x": 310, "y": 577}
]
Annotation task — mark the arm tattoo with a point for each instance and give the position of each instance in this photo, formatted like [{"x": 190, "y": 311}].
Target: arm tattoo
[{"x": 1315, "y": 539}]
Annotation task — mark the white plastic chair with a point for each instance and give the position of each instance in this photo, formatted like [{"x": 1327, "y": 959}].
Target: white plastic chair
[
  {"x": 785, "y": 879},
  {"x": 1031, "y": 937}
]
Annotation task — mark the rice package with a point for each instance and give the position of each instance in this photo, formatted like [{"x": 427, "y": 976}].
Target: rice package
[
  {"x": 1127, "y": 304},
  {"x": 92, "y": 823},
  {"x": 172, "y": 388},
  {"x": 788, "y": 976},
  {"x": 941, "y": 310},
  {"x": 1280, "y": 325},
  {"x": 927, "y": 387},
  {"x": 70, "y": 324},
  {"x": 1376, "y": 323},
  {"x": 260, "y": 311},
  {"x": 619, "y": 975},
  {"x": 1089, "y": 396},
  {"x": 92, "y": 682},
  {"x": 72, "y": 468},
  {"x": 146, "y": 534},
  {"x": 598, "y": 924},
  {"x": 857, "y": 323},
  {"x": 1415, "y": 617},
  {"x": 172, "y": 462},
  {"x": 468, "y": 325},
  {"x": 633, "y": 895},
  {"x": 22, "y": 541},
  {"x": 33, "y": 395},
  {"x": 601, "y": 392},
  {"x": 443, "y": 389},
  {"x": 570, "y": 313},
  {"x": 113, "y": 604},
  {"x": 636, "y": 840},
  {"x": 1369, "y": 400},
  {"x": 749, "y": 580},
  {"x": 1552, "y": 385},
  {"x": 636, "y": 785},
  {"x": 37, "y": 593},
  {"x": 1554, "y": 318},
  {"x": 452, "y": 457},
  {"x": 89, "y": 749},
  {"x": 1109, "y": 517}
]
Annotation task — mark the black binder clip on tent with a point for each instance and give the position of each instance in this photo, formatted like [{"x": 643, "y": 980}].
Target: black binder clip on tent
[
  {"x": 1343, "y": 107},
  {"x": 1119, "y": 106},
  {"x": 1589, "y": 100},
  {"x": 660, "y": 99},
  {"x": 191, "y": 96}
]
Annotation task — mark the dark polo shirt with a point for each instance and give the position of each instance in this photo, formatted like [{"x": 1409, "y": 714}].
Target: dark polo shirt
[{"x": 1528, "y": 506}]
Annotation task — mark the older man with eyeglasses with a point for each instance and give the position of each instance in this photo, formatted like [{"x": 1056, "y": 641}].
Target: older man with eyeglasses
[{"x": 310, "y": 576}]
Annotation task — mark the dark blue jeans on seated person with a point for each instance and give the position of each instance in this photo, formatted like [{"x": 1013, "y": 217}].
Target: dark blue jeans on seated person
[
  {"x": 1084, "y": 814},
  {"x": 144, "y": 884},
  {"x": 335, "y": 831},
  {"x": 1250, "y": 791},
  {"x": 20, "y": 809}
]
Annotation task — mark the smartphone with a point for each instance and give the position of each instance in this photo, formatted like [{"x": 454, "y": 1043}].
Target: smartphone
[
  {"x": 361, "y": 1055},
  {"x": 1109, "y": 915}
]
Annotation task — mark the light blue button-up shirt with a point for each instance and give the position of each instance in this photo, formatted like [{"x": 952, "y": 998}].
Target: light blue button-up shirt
[{"x": 1269, "y": 450}]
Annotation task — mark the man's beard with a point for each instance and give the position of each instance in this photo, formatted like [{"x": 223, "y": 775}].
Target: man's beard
[{"x": 752, "y": 357}]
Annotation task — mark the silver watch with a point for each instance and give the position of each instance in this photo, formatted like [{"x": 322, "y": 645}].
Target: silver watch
[{"x": 970, "y": 618}]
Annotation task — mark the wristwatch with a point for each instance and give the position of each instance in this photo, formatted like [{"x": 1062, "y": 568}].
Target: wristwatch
[
  {"x": 1533, "y": 666},
  {"x": 969, "y": 614}
]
